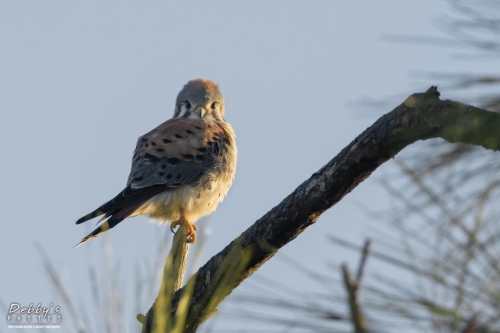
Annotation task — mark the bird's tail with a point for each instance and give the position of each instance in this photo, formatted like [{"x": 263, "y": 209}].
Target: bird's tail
[
  {"x": 119, "y": 208},
  {"x": 99, "y": 230},
  {"x": 113, "y": 219},
  {"x": 90, "y": 216}
]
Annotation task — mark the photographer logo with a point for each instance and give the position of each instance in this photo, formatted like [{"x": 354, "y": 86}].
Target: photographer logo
[{"x": 34, "y": 316}]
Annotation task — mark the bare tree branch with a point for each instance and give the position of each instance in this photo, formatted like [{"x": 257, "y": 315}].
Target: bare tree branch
[
  {"x": 421, "y": 116},
  {"x": 352, "y": 288}
]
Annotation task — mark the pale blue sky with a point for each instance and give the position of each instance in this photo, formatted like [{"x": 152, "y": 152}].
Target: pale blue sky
[{"x": 80, "y": 81}]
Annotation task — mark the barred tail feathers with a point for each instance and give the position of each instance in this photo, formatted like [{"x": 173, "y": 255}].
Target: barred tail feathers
[
  {"x": 99, "y": 230},
  {"x": 119, "y": 208}
]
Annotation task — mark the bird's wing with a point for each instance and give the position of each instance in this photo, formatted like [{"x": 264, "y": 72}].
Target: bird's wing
[{"x": 175, "y": 153}]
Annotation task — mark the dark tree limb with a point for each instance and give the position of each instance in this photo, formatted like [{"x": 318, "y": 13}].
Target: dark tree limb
[{"x": 422, "y": 116}]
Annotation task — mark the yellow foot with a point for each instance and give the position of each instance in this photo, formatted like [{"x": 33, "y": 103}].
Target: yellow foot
[{"x": 191, "y": 228}]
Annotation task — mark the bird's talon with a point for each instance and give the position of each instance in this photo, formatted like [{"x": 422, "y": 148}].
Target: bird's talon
[
  {"x": 191, "y": 239},
  {"x": 191, "y": 234}
]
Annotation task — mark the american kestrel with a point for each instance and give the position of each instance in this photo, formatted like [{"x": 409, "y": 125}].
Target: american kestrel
[{"x": 182, "y": 169}]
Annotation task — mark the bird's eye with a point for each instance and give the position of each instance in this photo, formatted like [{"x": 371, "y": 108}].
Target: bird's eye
[
  {"x": 187, "y": 104},
  {"x": 214, "y": 104}
]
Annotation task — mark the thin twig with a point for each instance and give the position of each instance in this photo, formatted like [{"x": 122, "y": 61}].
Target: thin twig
[{"x": 352, "y": 287}]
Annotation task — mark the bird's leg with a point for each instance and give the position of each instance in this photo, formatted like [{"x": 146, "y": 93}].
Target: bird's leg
[{"x": 191, "y": 228}]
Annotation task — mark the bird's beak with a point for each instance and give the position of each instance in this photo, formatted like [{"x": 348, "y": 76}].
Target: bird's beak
[{"x": 200, "y": 111}]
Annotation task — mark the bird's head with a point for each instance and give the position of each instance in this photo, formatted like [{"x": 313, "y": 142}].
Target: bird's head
[{"x": 200, "y": 98}]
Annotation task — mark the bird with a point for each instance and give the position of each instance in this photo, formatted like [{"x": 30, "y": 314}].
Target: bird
[{"x": 181, "y": 170}]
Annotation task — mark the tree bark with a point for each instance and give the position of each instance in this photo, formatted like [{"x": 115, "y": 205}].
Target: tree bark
[{"x": 421, "y": 116}]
